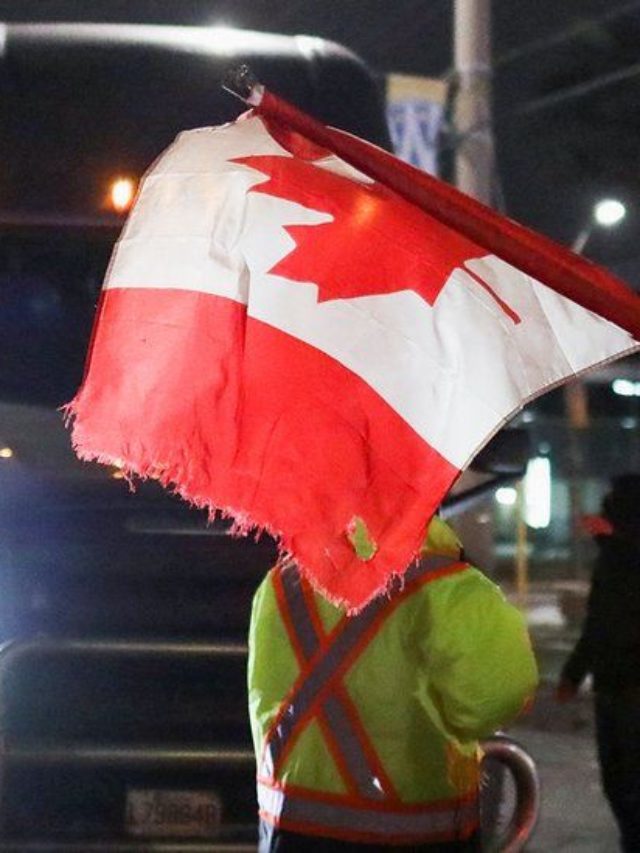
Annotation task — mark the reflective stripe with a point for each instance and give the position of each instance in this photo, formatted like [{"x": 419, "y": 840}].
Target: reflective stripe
[
  {"x": 298, "y": 610},
  {"x": 327, "y": 664},
  {"x": 326, "y": 669},
  {"x": 369, "y": 785},
  {"x": 426, "y": 565},
  {"x": 336, "y": 716},
  {"x": 435, "y": 820}
]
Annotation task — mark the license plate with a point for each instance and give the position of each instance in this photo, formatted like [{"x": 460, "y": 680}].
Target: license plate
[{"x": 173, "y": 813}]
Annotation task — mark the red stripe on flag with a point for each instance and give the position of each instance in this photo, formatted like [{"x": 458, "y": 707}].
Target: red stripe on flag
[
  {"x": 357, "y": 458},
  {"x": 162, "y": 387},
  {"x": 233, "y": 412}
]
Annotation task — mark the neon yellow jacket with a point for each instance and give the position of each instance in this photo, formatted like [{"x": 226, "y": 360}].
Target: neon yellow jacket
[{"x": 377, "y": 740}]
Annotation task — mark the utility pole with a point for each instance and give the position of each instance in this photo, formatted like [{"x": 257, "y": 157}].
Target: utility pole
[
  {"x": 474, "y": 173},
  {"x": 474, "y": 157},
  {"x": 474, "y": 164}
]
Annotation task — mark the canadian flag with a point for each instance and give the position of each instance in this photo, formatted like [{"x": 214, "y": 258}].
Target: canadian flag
[{"x": 285, "y": 340}]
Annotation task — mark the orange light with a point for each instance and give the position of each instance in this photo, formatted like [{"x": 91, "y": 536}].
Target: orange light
[{"x": 121, "y": 194}]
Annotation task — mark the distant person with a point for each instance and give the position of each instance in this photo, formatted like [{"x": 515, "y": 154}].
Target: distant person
[
  {"x": 366, "y": 727},
  {"x": 609, "y": 650}
]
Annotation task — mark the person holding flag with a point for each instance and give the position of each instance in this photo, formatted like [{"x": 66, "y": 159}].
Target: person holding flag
[
  {"x": 311, "y": 344},
  {"x": 301, "y": 332},
  {"x": 366, "y": 727}
]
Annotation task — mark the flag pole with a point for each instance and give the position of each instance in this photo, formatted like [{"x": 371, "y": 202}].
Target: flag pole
[{"x": 573, "y": 276}]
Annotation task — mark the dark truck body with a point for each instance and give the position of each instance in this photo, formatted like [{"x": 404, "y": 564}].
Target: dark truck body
[{"x": 124, "y": 614}]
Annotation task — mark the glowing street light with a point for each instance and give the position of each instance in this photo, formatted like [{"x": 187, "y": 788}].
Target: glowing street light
[{"x": 609, "y": 212}]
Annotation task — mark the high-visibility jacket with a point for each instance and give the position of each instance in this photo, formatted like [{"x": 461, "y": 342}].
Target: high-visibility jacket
[{"x": 366, "y": 727}]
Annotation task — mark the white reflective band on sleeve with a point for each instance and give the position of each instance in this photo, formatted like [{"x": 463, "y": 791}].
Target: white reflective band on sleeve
[{"x": 435, "y": 820}]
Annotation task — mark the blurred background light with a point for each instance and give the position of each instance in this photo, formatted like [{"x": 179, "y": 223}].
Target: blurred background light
[
  {"x": 121, "y": 194},
  {"x": 506, "y": 495},
  {"x": 6, "y": 453},
  {"x": 537, "y": 493},
  {"x": 625, "y": 388}
]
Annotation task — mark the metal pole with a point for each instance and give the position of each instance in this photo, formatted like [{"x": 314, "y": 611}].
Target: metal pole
[
  {"x": 472, "y": 107},
  {"x": 522, "y": 559},
  {"x": 576, "y": 410},
  {"x": 474, "y": 159},
  {"x": 502, "y": 752}
]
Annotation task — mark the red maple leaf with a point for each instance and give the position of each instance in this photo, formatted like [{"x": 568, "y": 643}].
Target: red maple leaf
[{"x": 377, "y": 242}]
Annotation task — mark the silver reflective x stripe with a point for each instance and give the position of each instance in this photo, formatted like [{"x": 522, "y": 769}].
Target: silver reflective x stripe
[
  {"x": 426, "y": 565},
  {"x": 329, "y": 664},
  {"x": 336, "y": 716},
  {"x": 438, "y": 820}
]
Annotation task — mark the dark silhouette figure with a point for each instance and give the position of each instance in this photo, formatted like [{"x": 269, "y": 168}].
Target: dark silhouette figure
[{"x": 609, "y": 649}]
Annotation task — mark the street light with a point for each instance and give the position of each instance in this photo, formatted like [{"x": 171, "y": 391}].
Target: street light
[{"x": 608, "y": 212}]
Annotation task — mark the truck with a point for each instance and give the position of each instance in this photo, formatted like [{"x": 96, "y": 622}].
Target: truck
[{"x": 123, "y": 613}]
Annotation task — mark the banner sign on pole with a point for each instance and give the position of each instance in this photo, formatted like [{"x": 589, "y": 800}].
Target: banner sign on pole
[{"x": 415, "y": 112}]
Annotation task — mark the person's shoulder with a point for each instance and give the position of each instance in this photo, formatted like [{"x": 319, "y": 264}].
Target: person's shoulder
[{"x": 465, "y": 582}]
